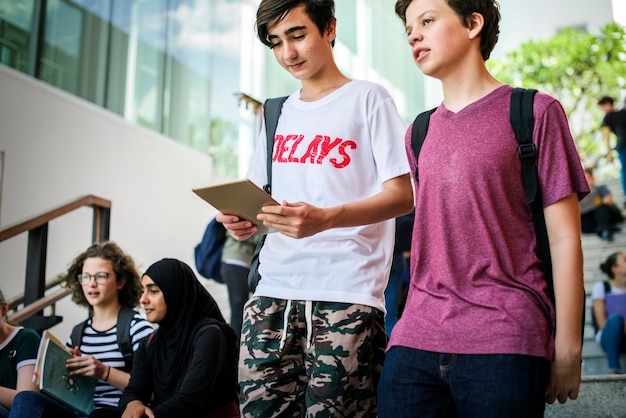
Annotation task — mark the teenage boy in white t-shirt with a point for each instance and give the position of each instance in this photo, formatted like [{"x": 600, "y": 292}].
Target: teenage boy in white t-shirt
[{"x": 313, "y": 336}]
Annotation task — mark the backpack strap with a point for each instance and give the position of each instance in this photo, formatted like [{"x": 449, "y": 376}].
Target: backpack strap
[
  {"x": 124, "y": 318},
  {"x": 523, "y": 122},
  {"x": 77, "y": 333},
  {"x": 271, "y": 112},
  {"x": 418, "y": 135}
]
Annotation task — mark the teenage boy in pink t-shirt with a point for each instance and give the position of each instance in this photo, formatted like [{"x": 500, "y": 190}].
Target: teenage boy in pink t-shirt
[{"x": 477, "y": 336}]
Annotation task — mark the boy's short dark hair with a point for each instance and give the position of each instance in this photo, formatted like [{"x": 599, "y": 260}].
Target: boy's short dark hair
[
  {"x": 489, "y": 9},
  {"x": 606, "y": 100},
  {"x": 271, "y": 12}
]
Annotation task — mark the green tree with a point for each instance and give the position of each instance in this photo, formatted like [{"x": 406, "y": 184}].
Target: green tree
[{"x": 577, "y": 68}]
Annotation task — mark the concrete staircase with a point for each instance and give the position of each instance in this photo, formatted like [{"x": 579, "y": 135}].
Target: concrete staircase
[{"x": 601, "y": 395}]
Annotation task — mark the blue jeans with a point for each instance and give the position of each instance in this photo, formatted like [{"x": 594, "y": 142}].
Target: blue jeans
[
  {"x": 4, "y": 412},
  {"x": 417, "y": 383},
  {"x": 621, "y": 153},
  {"x": 613, "y": 341},
  {"x": 37, "y": 405}
]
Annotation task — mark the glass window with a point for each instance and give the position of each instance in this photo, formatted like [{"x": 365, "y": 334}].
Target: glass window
[
  {"x": 16, "y": 26},
  {"x": 74, "y": 52},
  {"x": 140, "y": 42}
]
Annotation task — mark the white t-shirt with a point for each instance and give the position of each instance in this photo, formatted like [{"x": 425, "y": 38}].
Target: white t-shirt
[
  {"x": 336, "y": 150},
  {"x": 598, "y": 293}
]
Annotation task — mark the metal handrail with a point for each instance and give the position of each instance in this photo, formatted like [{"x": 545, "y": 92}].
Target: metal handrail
[
  {"x": 19, "y": 299},
  {"x": 45, "y": 217},
  {"x": 33, "y": 308},
  {"x": 34, "y": 300}
]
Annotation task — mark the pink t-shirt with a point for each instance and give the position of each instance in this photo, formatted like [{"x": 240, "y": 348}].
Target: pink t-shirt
[{"x": 476, "y": 282}]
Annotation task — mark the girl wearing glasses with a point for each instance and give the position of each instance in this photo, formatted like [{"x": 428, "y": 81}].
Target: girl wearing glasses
[{"x": 104, "y": 279}]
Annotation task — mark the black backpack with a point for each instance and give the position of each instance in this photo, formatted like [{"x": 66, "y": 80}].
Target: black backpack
[
  {"x": 271, "y": 112},
  {"x": 522, "y": 122},
  {"x": 124, "y": 318},
  {"x": 208, "y": 253}
]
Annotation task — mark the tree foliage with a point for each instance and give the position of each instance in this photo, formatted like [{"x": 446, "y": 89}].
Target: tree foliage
[{"x": 577, "y": 68}]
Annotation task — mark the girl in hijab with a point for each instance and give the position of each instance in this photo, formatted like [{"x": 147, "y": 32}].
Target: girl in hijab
[{"x": 188, "y": 367}]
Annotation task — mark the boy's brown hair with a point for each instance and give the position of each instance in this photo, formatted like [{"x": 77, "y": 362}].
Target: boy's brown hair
[
  {"x": 271, "y": 12},
  {"x": 489, "y": 9}
]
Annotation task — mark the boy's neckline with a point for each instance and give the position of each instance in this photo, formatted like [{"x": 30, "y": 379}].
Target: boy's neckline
[{"x": 324, "y": 92}]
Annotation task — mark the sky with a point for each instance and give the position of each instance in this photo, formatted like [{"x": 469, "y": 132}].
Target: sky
[{"x": 540, "y": 19}]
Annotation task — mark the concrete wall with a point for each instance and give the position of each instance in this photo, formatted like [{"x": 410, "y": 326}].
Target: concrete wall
[{"x": 57, "y": 148}]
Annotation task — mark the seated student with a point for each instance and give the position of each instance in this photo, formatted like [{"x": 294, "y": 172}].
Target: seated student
[
  {"x": 598, "y": 212},
  {"x": 104, "y": 279},
  {"x": 188, "y": 367},
  {"x": 18, "y": 353},
  {"x": 611, "y": 334}
]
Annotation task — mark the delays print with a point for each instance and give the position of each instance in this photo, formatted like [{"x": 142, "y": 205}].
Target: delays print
[{"x": 296, "y": 149}]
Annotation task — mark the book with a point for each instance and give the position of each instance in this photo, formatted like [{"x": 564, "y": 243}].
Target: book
[
  {"x": 53, "y": 378},
  {"x": 242, "y": 198}
]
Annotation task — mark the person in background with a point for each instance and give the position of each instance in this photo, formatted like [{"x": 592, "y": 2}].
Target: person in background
[
  {"x": 614, "y": 122},
  {"x": 479, "y": 335},
  {"x": 598, "y": 212},
  {"x": 18, "y": 354},
  {"x": 102, "y": 278},
  {"x": 236, "y": 259},
  {"x": 611, "y": 334},
  {"x": 188, "y": 367},
  {"x": 313, "y": 339}
]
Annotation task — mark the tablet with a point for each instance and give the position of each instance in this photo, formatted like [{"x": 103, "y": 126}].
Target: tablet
[{"x": 240, "y": 197}]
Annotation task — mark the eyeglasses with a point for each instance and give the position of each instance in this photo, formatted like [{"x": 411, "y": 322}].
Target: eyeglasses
[{"x": 101, "y": 277}]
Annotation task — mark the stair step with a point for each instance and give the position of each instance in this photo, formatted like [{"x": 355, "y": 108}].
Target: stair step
[
  {"x": 595, "y": 251},
  {"x": 598, "y": 397}
]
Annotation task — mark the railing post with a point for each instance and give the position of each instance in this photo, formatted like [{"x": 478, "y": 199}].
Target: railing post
[
  {"x": 35, "y": 285},
  {"x": 34, "y": 299},
  {"x": 101, "y": 224}
]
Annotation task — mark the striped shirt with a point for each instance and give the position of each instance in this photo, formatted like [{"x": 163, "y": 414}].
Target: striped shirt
[{"x": 103, "y": 346}]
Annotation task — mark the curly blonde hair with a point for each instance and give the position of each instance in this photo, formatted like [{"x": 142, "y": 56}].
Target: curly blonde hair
[{"x": 123, "y": 266}]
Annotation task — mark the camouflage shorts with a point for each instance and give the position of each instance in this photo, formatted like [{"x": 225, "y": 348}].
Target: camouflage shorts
[{"x": 331, "y": 372}]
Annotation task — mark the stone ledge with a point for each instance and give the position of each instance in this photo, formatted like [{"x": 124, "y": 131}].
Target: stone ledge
[{"x": 599, "y": 397}]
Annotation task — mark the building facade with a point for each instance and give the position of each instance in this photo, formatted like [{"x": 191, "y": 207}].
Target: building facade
[{"x": 139, "y": 101}]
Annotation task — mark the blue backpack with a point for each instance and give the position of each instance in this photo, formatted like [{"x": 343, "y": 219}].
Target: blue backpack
[{"x": 209, "y": 251}]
